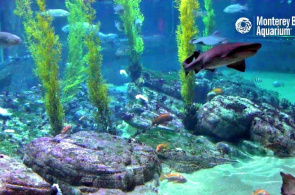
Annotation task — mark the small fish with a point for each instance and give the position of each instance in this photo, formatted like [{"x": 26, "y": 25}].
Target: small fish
[
  {"x": 108, "y": 38},
  {"x": 119, "y": 26},
  {"x": 124, "y": 73},
  {"x": 85, "y": 26},
  {"x": 67, "y": 129},
  {"x": 232, "y": 55},
  {"x": 212, "y": 39},
  {"x": 217, "y": 91},
  {"x": 277, "y": 84},
  {"x": 162, "y": 147},
  {"x": 142, "y": 97},
  {"x": 82, "y": 117},
  {"x": 9, "y": 131},
  {"x": 8, "y": 39},
  {"x": 174, "y": 177},
  {"x": 162, "y": 119},
  {"x": 138, "y": 24},
  {"x": 235, "y": 8},
  {"x": 288, "y": 1},
  {"x": 119, "y": 9},
  {"x": 122, "y": 51},
  {"x": 200, "y": 13},
  {"x": 4, "y": 112},
  {"x": 260, "y": 192},
  {"x": 223, "y": 148},
  {"x": 56, "y": 13},
  {"x": 288, "y": 186},
  {"x": 257, "y": 80}
]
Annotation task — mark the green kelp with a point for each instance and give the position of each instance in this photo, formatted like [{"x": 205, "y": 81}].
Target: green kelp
[
  {"x": 98, "y": 93},
  {"x": 45, "y": 48},
  {"x": 75, "y": 71},
  {"x": 209, "y": 21},
  {"x": 185, "y": 32},
  {"x": 132, "y": 20}
]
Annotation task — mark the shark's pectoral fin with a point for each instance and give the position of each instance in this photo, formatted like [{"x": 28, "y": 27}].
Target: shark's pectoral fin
[
  {"x": 240, "y": 66},
  {"x": 212, "y": 70}
]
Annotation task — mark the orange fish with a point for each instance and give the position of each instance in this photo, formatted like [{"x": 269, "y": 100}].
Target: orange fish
[
  {"x": 161, "y": 147},
  {"x": 162, "y": 119},
  {"x": 66, "y": 129},
  {"x": 218, "y": 91},
  {"x": 260, "y": 192},
  {"x": 175, "y": 177}
]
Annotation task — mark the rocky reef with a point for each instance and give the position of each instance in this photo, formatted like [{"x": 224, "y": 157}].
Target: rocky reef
[
  {"x": 87, "y": 161},
  {"x": 17, "y": 179},
  {"x": 226, "y": 117},
  {"x": 242, "y": 121},
  {"x": 233, "y": 117}
]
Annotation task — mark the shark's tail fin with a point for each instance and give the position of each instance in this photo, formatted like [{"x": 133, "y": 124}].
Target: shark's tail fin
[{"x": 187, "y": 62}]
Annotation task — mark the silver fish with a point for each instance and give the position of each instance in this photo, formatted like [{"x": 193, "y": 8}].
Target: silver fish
[
  {"x": 212, "y": 39},
  {"x": 119, "y": 9},
  {"x": 8, "y": 39},
  {"x": 235, "y": 8},
  {"x": 56, "y": 13},
  {"x": 119, "y": 26}
]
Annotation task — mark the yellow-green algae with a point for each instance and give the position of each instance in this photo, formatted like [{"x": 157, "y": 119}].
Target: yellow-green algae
[
  {"x": 97, "y": 88},
  {"x": 45, "y": 48},
  {"x": 185, "y": 32},
  {"x": 208, "y": 20},
  {"x": 75, "y": 72},
  {"x": 129, "y": 17}
]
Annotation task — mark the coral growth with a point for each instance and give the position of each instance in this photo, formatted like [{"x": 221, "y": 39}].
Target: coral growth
[
  {"x": 45, "y": 48},
  {"x": 96, "y": 85},
  {"x": 185, "y": 32},
  {"x": 130, "y": 17}
]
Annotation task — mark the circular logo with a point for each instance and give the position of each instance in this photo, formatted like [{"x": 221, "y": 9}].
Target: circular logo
[{"x": 243, "y": 25}]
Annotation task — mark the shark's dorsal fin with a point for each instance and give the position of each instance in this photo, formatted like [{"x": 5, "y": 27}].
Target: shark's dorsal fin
[
  {"x": 216, "y": 33},
  {"x": 240, "y": 66}
]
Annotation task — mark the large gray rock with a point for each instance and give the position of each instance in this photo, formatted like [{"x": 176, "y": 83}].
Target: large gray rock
[
  {"x": 226, "y": 117},
  {"x": 87, "y": 161},
  {"x": 274, "y": 130},
  {"x": 17, "y": 179}
]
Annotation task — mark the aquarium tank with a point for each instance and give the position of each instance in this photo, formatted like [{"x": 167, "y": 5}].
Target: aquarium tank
[{"x": 147, "y": 97}]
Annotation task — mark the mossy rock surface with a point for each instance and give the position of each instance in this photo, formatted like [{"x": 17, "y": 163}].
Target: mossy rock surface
[{"x": 87, "y": 161}]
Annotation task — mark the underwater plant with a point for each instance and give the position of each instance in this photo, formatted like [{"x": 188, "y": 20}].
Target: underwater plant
[
  {"x": 208, "y": 20},
  {"x": 45, "y": 48},
  {"x": 132, "y": 20},
  {"x": 185, "y": 32},
  {"x": 97, "y": 88},
  {"x": 75, "y": 71}
]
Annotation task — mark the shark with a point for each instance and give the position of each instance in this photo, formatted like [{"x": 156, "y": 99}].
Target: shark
[{"x": 232, "y": 55}]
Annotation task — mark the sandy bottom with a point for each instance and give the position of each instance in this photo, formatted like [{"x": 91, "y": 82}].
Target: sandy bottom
[
  {"x": 287, "y": 91},
  {"x": 241, "y": 178}
]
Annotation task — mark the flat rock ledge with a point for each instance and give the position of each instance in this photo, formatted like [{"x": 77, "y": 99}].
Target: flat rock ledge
[
  {"x": 86, "y": 161},
  {"x": 17, "y": 179}
]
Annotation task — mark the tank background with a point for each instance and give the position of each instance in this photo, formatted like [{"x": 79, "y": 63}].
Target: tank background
[{"x": 160, "y": 55}]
